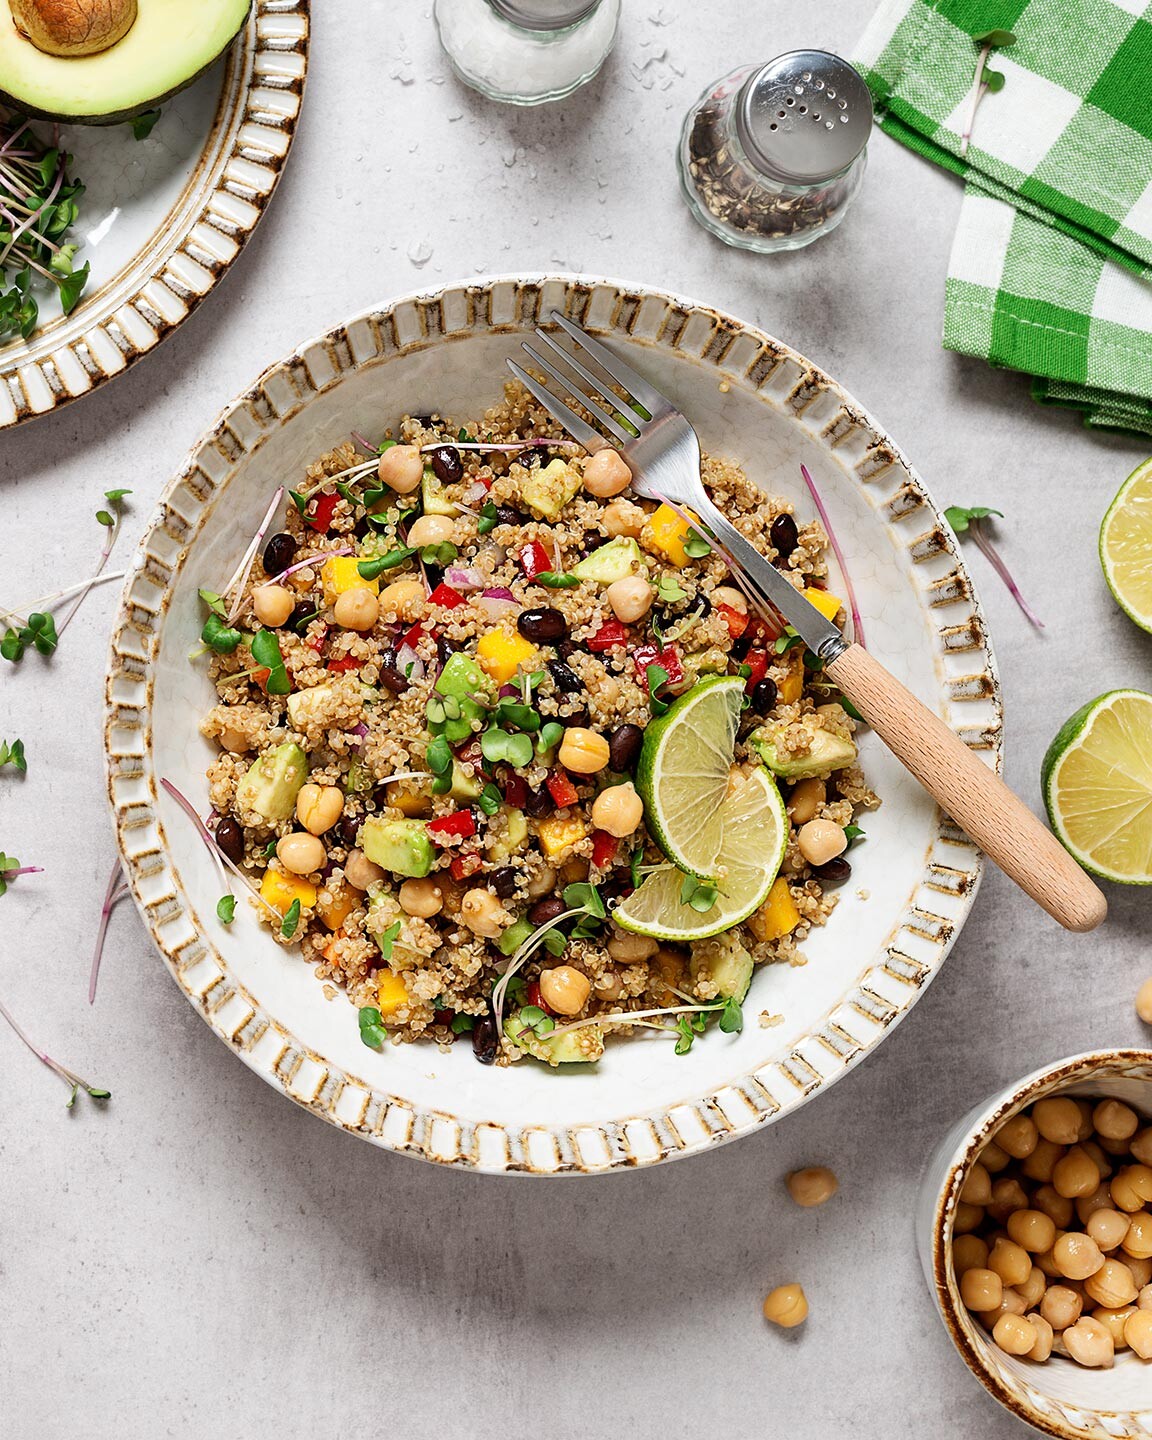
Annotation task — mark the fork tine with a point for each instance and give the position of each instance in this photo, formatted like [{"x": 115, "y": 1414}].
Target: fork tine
[
  {"x": 600, "y": 386},
  {"x": 579, "y": 429},
  {"x": 607, "y": 421},
  {"x": 624, "y": 375}
]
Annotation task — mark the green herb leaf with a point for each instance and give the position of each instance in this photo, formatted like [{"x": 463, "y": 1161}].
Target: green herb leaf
[
  {"x": 731, "y": 1017},
  {"x": 214, "y": 602},
  {"x": 372, "y": 1031},
  {"x": 13, "y": 754},
  {"x": 270, "y": 849},
  {"x": 515, "y": 750},
  {"x": 219, "y": 636},
  {"x": 582, "y": 895},
  {"x": 551, "y": 733},
  {"x": 300, "y": 501},
  {"x": 95, "y": 1092},
  {"x": 105, "y": 519},
  {"x": 695, "y": 545},
  {"x": 555, "y": 941},
  {"x": 685, "y": 1035},
  {"x": 226, "y": 909},
  {"x": 72, "y": 287},
  {"x": 998, "y": 39},
  {"x": 11, "y": 646},
  {"x": 438, "y": 756},
  {"x": 387, "y": 938},
  {"x": 537, "y": 1020},
  {"x": 291, "y": 920},
  {"x": 553, "y": 580},
  {"x": 788, "y": 641},
  {"x": 993, "y": 81},
  {"x": 850, "y": 709},
  {"x": 369, "y": 569},
  {"x": 115, "y": 496},
  {"x": 7, "y": 864},
  {"x": 634, "y": 863},
  {"x": 461, "y": 1024},
  {"x": 701, "y": 895},
  {"x": 961, "y": 516},
  {"x": 853, "y": 833},
  {"x": 489, "y": 800},
  {"x": 266, "y": 652},
  {"x": 488, "y": 518},
  {"x": 657, "y": 677},
  {"x": 669, "y": 589},
  {"x": 510, "y": 712},
  {"x": 144, "y": 123}
]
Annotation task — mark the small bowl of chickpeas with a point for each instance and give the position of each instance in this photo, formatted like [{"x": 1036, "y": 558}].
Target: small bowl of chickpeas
[{"x": 1034, "y": 1227}]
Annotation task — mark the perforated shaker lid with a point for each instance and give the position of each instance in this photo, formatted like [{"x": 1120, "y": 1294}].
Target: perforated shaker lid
[
  {"x": 544, "y": 14},
  {"x": 804, "y": 117}
]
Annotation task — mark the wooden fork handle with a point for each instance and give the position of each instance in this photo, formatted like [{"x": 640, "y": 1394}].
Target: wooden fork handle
[{"x": 972, "y": 794}]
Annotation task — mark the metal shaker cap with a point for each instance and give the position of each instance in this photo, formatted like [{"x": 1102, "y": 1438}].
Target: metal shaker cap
[
  {"x": 804, "y": 117},
  {"x": 544, "y": 14}
]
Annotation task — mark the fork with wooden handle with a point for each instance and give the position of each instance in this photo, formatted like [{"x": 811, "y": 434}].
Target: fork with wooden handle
[{"x": 663, "y": 453}]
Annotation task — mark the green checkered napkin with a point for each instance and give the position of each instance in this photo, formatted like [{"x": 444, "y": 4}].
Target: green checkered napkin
[{"x": 1051, "y": 269}]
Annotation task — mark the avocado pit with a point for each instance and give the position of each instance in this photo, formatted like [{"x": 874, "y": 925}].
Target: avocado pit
[{"x": 73, "y": 28}]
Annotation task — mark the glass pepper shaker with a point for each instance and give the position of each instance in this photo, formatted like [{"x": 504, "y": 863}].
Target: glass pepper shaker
[
  {"x": 772, "y": 155},
  {"x": 525, "y": 52}
]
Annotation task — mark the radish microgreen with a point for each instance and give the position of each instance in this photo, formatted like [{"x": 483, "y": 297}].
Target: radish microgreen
[
  {"x": 701, "y": 895},
  {"x": 386, "y": 939},
  {"x": 372, "y": 1031},
  {"x": 226, "y": 909},
  {"x": 657, "y": 678},
  {"x": 696, "y": 546},
  {"x": 291, "y": 920},
  {"x": 75, "y": 1082},
  {"x": 144, "y": 123},
  {"x": 969, "y": 520},
  {"x": 12, "y": 753}
]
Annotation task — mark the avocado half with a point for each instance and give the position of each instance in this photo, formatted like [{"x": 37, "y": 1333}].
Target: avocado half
[{"x": 170, "y": 44}]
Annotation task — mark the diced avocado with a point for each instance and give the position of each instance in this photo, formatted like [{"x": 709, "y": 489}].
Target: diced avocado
[
  {"x": 515, "y": 935},
  {"x": 301, "y": 702},
  {"x": 383, "y": 912},
  {"x": 432, "y": 495},
  {"x": 402, "y": 846},
  {"x": 273, "y": 782},
  {"x": 514, "y": 836},
  {"x": 460, "y": 679},
  {"x": 615, "y": 561},
  {"x": 576, "y": 1047},
  {"x": 549, "y": 489},
  {"x": 726, "y": 963},
  {"x": 828, "y": 752},
  {"x": 358, "y": 779},
  {"x": 464, "y": 786}
]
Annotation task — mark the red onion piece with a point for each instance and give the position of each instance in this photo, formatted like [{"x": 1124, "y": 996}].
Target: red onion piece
[{"x": 464, "y": 578}]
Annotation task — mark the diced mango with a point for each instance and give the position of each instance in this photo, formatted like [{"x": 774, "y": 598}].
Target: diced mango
[
  {"x": 502, "y": 654},
  {"x": 792, "y": 686},
  {"x": 828, "y": 604},
  {"x": 668, "y": 533},
  {"x": 777, "y": 916},
  {"x": 558, "y": 834},
  {"x": 410, "y": 798},
  {"x": 280, "y": 890},
  {"x": 335, "y": 911},
  {"x": 340, "y": 574},
  {"x": 391, "y": 992}
]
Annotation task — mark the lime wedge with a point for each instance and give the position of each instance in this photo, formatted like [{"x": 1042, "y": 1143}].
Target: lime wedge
[
  {"x": 1097, "y": 782},
  {"x": 682, "y": 776},
  {"x": 754, "y": 834},
  {"x": 1126, "y": 546}
]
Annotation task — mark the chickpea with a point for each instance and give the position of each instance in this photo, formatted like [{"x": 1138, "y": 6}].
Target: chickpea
[
  {"x": 1132, "y": 1187},
  {"x": 401, "y": 468},
  {"x": 1099, "y": 1157},
  {"x": 1047, "y": 1262},
  {"x": 1090, "y": 1343},
  {"x": 483, "y": 914},
  {"x": 360, "y": 872},
  {"x": 630, "y": 598},
  {"x": 273, "y": 604},
  {"x": 1144, "y": 1298},
  {"x": 356, "y": 608},
  {"x": 1042, "y": 1162},
  {"x": 1078, "y": 1256},
  {"x": 1137, "y": 1241},
  {"x": 1014, "y": 1334},
  {"x": 977, "y": 1188},
  {"x": 623, "y": 517},
  {"x": 318, "y": 807},
  {"x": 1114, "y": 1120},
  {"x": 233, "y": 741},
  {"x": 403, "y": 598},
  {"x": 565, "y": 989},
  {"x": 1011, "y": 1303},
  {"x": 1140, "y": 1145},
  {"x": 806, "y": 799},
  {"x": 1144, "y": 1009},
  {"x": 1112, "y": 1285},
  {"x": 1108, "y": 1228},
  {"x": 993, "y": 1158},
  {"x": 981, "y": 1289},
  {"x": 1061, "y": 1306},
  {"x": 421, "y": 897},
  {"x": 1138, "y": 1332},
  {"x": 606, "y": 473},
  {"x": 730, "y": 596},
  {"x": 618, "y": 810},
  {"x": 629, "y": 949},
  {"x": 967, "y": 1218},
  {"x": 812, "y": 1186},
  {"x": 1113, "y": 1322},
  {"x": 1099, "y": 1199},
  {"x": 583, "y": 751},
  {"x": 1018, "y": 1136},
  {"x": 541, "y": 884},
  {"x": 1007, "y": 1195},
  {"x": 1032, "y": 1290},
  {"x": 300, "y": 853},
  {"x": 1076, "y": 1174},
  {"x": 1042, "y": 1349},
  {"x": 1058, "y": 1207},
  {"x": 787, "y": 1305},
  {"x": 1032, "y": 1230},
  {"x": 821, "y": 841},
  {"x": 430, "y": 530},
  {"x": 969, "y": 1252},
  {"x": 1010, "y": 1262},
  {"x": 1057, "y": 1119},
  {"x": 609, "y": 986},
  {"x": 1141, "y": 1267},
  {"x": 1085, "y": 1108}
]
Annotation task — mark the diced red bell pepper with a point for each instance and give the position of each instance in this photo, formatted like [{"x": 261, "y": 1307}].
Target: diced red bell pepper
[
  {"x": 447, "y": 597},
  {"x": 609, "y": 635},
  {"x": 343, "y": 663},
  {"x": 561, "y": 789},
  {"x": 471, "y": 754},
  {"x": 533, "y": 559},
  {"x": 668, "y": 657},
  {"x": 464, "y": 865},
  {"x": 736, "y": 620},
  {"x": 516, "y": 791},
  {"x": 461, "y": 824},
  {"x": 757, "y": 662},
  {"x": 321, "y": 512},
  {"x": 603, "y": 849},
  {"x": 317, "y": 641},
  {"x": 532, "y": 996},
  {"x": 413, "y": 636}
]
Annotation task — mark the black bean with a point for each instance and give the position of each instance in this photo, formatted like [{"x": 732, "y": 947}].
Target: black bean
[
  {"x": 390, "y": 676},
  {"x": 485, "y": 1042},
  {"x": 350, "y": 830},
  {"x": 546, "y": 910},
  {"x": 447, "y": 465},
  {"x": 544, "y": 626},
  {"x": 380, "y": 796},
  {"x": 565, "y": 680},
  {"x": 424, "y": 421},
  {"x": 579, "y": 716},
  {"x": 446, "y": 647},
  {"x": 567, "y": 648},
  {"x": 362, "y": 527},
  {"x": 230, "y": 839},
  {"x": 834, "y": 871},
  {"x": 538, "y": 803},
  {"x": 505, "y": 881},
  {"x": 740, "y": 646},
  {"x": 279, "y": 553},
  {"x": 302, "y": 616},
  {"x": 624, "y": 747},
  {"x": 784, "y": 536},
  {"x": 764, "y": 696},
  {"x": 508, "y": 515}
]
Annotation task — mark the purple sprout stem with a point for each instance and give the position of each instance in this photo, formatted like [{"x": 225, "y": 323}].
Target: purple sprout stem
[
  {"x": 243, "y": 570},
  {"x": 109, "y": 542},
  {"x": 69, "y": 1077},
  {"x": 509, "y": 448},
  {"x": 854, "y": 609},
  {"x": 984, "y": 542},
  {"x": 365, "y": 445},
  {"x": 315, "y": 560},
  {"x": 218, "y": 855},
  {"x": 115, "y": 892},
  {"x": 23, "y": 870}
]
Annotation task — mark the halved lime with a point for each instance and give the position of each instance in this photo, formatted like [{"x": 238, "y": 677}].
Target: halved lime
[
  {"x": 1126, "y": 546},
  {"x": 1097, "y": 782},
  {"x": 682, "y": 776},
  {"x": 754, "y": 834}
]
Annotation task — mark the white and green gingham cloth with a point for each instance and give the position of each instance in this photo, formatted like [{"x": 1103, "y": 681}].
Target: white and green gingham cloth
[{"x": 1051, "y": 268}]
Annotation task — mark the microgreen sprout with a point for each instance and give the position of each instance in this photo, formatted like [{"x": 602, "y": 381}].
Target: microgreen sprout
[
  {"x": 669, "y": 590},
  {"x": 985, "y": 80},
  {"x": 265, "y": 650},
  {"x": 387, "y": 938},
  {"x": 489, "y": 800},
  {"x": 488, "y": 519},
  {"x": 461, "y": 1024},
  {"x": 969, "y": 520},
  {"x": 369, "y": 569},
  {"x": 226, "y": 909},
  {"x": 372, "y": 1031},
  {"x": 695, "y": 545},
  {"x": 657, "y": 678},
  {"x": 690, "y": 1020},
  {"x": 583, "y": 901},
  {"x": 852, "y": 833},
  {"x": 701, "y": 895},
  {"x": 144, "y": 123},
  {"x": 853, "y": 608},
  {"x": 12, "y": 753},
  {"x": 39, "y": 631},
  {"x": 116, "y": 891},
  {"x": 553, "y": 580},
  {"x": 75, "y": 1082},
  {"x": 551, "y": 733},
  {"x": 219, "y": 858},
  {"x": 290, "y": 921}
]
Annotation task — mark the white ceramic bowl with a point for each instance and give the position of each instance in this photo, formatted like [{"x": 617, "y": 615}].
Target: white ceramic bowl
[
  {"x": 914, "y": 878},
  {"x": 1058, "y": 1397}
]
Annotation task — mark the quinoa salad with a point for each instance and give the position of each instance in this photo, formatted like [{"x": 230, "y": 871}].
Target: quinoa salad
[{"x": 440, "y": 670}]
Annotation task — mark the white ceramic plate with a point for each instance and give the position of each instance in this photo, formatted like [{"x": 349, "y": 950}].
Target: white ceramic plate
[
  {"x": 162, "y": 219},
  {"x": 914, "y": 879}
]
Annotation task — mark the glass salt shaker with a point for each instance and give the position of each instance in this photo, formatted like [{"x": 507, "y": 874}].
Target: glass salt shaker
[
  {"x": 772, "y": 155},
  {"x": 525, "y": 52}
]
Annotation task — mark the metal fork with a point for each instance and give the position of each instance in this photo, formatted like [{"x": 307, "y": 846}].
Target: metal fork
[{"x": 663, "y": 452}]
